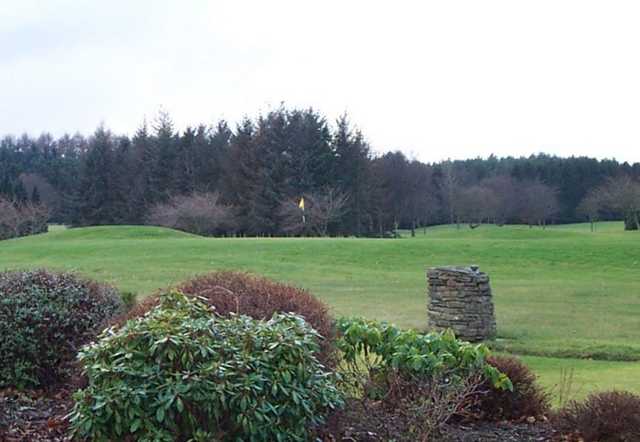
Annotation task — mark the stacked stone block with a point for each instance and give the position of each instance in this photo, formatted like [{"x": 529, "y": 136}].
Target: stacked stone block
[{"x": 460, "y": 299}]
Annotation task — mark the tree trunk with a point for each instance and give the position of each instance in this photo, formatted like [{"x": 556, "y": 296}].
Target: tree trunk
[{"x": 631, "y": 221}]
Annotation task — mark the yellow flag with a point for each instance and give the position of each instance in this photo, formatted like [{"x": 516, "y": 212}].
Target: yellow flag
[{"x": 301, "y": 203}]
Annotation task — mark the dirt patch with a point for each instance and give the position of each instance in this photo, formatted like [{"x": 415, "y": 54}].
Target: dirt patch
[
  {"x": 40, "y": 416},
  {"x": 374, "y": 424},
  {"x": 36, "y": 416},
  {"x": 500, "y": 432}
]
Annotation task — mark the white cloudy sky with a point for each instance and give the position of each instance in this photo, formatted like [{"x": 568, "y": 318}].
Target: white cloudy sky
[{"x": 436, "y": 79}]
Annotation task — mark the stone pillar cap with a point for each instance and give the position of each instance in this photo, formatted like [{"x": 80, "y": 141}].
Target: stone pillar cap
[{"x": 472, "y": 269}]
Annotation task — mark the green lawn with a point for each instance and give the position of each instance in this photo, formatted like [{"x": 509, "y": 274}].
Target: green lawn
[{"x": 563, "y": 292}]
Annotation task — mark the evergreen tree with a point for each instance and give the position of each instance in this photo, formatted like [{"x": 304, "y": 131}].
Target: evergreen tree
[
  {"x": 145, "y": 158},
  {"x": 241, "y": 174},
  {"x": 165, "y": 145},
  {"x": 212, "y": 151},
  {"x": 311, "y": 155},
  {"x": 20, "y": 192},
  {"x": 351, "y": 171},
  {"x": 95, "y": 198},
  {"x": 184, "y": 171},
  {"x": 122, "y": 181},
  {"x": 35, "y": 195},
  {"x": 271, "y": 184},
  {"x": 284, "y": 154}
]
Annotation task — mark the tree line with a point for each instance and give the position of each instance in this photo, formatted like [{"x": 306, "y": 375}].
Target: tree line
[{"x": 249, "y": 180}]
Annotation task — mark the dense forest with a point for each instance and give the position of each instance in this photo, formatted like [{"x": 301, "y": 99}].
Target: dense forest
[{"x": 251, "y": 177}]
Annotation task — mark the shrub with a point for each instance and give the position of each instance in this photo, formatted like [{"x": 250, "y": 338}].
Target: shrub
[
  {"x": 418, "y": 418},
  {"x": 421, "y": 380},
  {"x": 44, "y": 318},
  {"x": 21, "y": 219},
  {"x": 323, "y": 211},
  {"x": 199, "y": 213},
  {"x": 432, "y": 402},
  {"x": 526, "y": 398},
  {"x": 385, "y": 351},
  {"x": 181, "y": 373},
  {"x": 259, "y": 298},
  {"x": 604, "y": 417},
  {"x": 129, "y": 300}
]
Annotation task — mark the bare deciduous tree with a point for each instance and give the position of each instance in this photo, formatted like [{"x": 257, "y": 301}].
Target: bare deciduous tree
[
  {"x": 590, "y": 207},
  {"x": 22, "y": 219},
  {"x": 430, "y": 209},
  {"x": 538, "y": 203},
  {"x": 199, "y": 213},
  {"x": 477, "y": 205},
  {"x": 9, "y": 219},
  {"x": 48, "y": 194},
  {"x": 450, "y": 190},
  {"x": 321, "y": 209},
  {"x": 622, "y": 195},
  {"x": 504, "y": 188}
]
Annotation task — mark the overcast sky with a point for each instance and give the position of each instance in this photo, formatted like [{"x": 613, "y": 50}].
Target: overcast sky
[{"x": 436, "y": 79}]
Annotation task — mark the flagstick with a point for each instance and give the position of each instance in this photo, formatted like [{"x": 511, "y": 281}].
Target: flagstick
[{"x": 301, "y": 205}]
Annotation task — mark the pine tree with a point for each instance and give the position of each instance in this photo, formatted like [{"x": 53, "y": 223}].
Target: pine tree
[
  {"x": 20, "y": 192},
  {"x": 95, "y": 200},
  {"x": 272, "y": 183},
  {"x": 122, "y": 181},
  {"x": 352, "y": 176},
  {"x": 145, "y": 191},
  {"x": 165, "y": 142},
  {"x": 35, "y": 195},
  {"x": 217, "y": 151},
  {"x": 241, "y": 174},
  {"x": 311, "y": 155},
  {"x": 184, "y": 172}
]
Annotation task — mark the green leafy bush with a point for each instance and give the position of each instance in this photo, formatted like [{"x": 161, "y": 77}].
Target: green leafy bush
[
  {"x": 259, "y": 298},
  {"x": 44, "y": 319},
  {"x": 417, "y": 381},
  {"x": 180, "y": 372},
  {"x": 380, "y": 350},
  {"x": 611, "y": 416},
  {"x": 526, "y": 398}
]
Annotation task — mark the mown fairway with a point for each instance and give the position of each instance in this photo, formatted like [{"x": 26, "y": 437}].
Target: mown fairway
[{"x": 563, "y": 295}]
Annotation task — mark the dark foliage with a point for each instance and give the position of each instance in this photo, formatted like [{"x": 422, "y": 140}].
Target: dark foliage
[
  {"x": 44, "y": 318},
  {"x": 525, "y": 400},
  {"x": 279, "y": 156},
  {"x": 182, "y": 373},
  {"x": 257, "y": 297},
  {"x": 612, "y": 416}
]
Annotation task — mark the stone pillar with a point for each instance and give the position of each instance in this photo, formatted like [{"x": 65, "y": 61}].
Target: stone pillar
[{"x": 459, "y": 298}]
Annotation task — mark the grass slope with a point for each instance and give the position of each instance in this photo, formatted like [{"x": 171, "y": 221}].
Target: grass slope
[{"x": 561, "y": 292}]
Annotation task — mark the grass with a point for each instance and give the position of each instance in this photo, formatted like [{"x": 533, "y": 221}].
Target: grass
[
  {"x": 588, "y": 375},
  {"x": 562, "y": 295}
]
